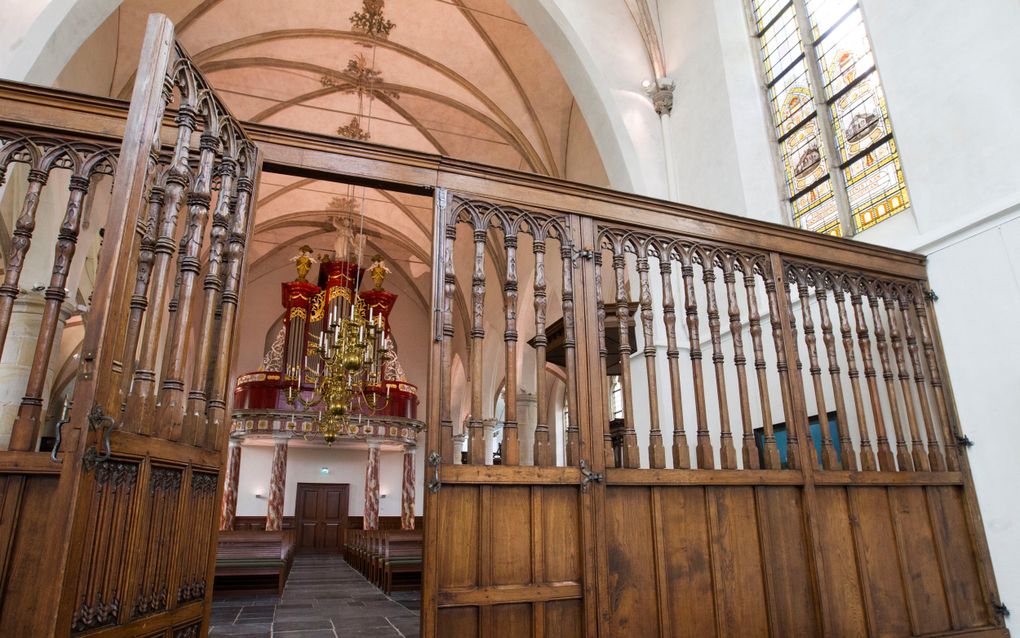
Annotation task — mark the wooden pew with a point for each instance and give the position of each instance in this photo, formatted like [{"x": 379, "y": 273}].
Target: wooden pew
[
  {"x": 401, "y": 561},
  {"x": 253, "y": 558}
]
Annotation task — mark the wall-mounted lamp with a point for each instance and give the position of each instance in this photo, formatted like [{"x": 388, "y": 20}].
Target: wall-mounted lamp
[
  {"x": 323, "y": 470},
  {"x": 258, "y": 494}
]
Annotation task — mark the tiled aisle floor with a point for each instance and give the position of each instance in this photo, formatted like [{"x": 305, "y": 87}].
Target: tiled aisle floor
[{"x": 324, "y": 598}]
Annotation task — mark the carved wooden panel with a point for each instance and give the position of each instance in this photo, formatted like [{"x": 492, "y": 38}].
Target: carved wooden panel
[
  {"x": 159, "y": 528},
  {"x": 112, "y": 507},
  {"x": 196, "y": 534}
]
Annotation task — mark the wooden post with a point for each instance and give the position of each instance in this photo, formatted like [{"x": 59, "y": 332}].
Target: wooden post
[{"x": 656, "y": 451}]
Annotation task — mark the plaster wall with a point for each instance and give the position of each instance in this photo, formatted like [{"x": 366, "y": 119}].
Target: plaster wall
[{"x": 304, "y": 465}]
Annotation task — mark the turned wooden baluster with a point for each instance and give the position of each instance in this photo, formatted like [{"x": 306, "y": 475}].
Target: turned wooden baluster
[
  {"x": 476, "y": 435},
  {"x": 141, "y": 400},
  {"x": 886, "y": 461},
  {"x": 936, "y": 461},
  {"x": 172, "y": 397},
  {"x": 600, "y": 314},
  {"x": 829, "y": 459},
  {"x": 449, "y": 290},
  {"x": 573, "y": 447},
  {"x": 748, "y": 445},
  {"x": 934, "y": 373},
  {"x": 139, "y": 297},
  {"x": 543, "y": 446},
  {"x": 727, "y": 451},
  {"x": 703, "y": 448},
  {"x": 770, "y": 450},
  {"x": 848, "y": 457},
  {"x": 656, "y": 451},
  {"x": 786, "y": 377},
  {"x": 902, "y": 454},
  {"x": 917, "y": 453},
  {"x": 216, "y": 409},
  {"x": 26, "y": 427},
  {"x": 681, "y": 450},
  {"x": 213, "y": 286},
  {"x": 21, "y": 240},
  {"x": 511, "y": 442},
  {"x": 631, "y": 455},
  {"x": 867, "y": 455}
]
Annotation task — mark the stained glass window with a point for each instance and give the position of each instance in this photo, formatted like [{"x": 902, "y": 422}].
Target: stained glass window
[{"x": 844, "y": 157}]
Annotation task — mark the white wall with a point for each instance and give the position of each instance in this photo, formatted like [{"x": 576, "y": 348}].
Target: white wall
[{"x": 304, "y": 465}]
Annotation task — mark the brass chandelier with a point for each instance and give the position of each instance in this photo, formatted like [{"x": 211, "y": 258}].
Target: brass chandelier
[{"x": 350, "y": 355}]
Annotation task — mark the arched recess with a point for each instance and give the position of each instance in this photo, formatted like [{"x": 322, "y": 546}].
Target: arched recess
[{"x": 64, "y": 26}]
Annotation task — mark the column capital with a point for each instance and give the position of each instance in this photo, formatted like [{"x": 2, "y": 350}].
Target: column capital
[
  {"x": 661, "y": 92},
  {"x": 526, "y": 397},
  {"x": 373, "y": 444},
  {"x": 490, "y": 423},
  {"x": 232, "y": 442},
  {"x": 282, "y": 438}
]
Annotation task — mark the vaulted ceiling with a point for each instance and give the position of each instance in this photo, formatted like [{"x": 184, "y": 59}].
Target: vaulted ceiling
[{"x": 464, "y": 78}]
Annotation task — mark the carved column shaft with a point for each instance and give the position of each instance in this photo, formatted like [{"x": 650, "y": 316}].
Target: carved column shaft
[
  {"x": 371, "y": 517},
  {"x": 229, "y": 508},
  {"x": 277, "y": 483},
  {"x": 407, "y": 491}
]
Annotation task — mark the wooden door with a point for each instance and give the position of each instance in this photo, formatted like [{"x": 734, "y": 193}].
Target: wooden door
[
  {"x": 131, "y": 525},
  {"x": 321, "y": 516},
  {"x": 509, "y": 547}
]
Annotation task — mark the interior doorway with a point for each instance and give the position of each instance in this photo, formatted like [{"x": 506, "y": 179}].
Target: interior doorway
[{"x": 320, "y": 516}]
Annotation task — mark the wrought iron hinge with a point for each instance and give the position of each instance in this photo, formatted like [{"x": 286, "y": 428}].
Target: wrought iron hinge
[
  {"x": 930, "y": 294},
  {"x": 587, "y": 476},
  {"x": 100, "y": 422},
  {"x": 964, "y": 441},
  {"x": 582, "y": 254},
  {"x": 1000, "y": 609},
  {"x": 64, "y": 420},
  {"x": 434, "y": 483}
]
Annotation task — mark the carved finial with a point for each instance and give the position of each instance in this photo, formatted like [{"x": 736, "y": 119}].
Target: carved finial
[
  {"x": 378, "y": 271},
  {"x": 303, "y": 262}
]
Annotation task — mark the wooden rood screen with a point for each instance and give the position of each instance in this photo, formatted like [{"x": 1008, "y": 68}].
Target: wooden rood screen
[
  {"x": 708, "y": 426},
  {"x": 113, "y": 534},
  {"x": 756, "y": 438}
]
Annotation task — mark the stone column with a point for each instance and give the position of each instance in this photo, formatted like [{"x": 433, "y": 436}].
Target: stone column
[
  {"x": 458, "y": 447},
  {"x": 229, "y": 509},
  {"x": 527, "y": 421},
  {"x": 490, "y": 443},
  {"x": 371, "y": 517},
  {"x": 407, "y": 490},
  {"x": 277, "y": 483},
  {"x": 18, "y": 354},
  {"x": 661, "y": 92}
]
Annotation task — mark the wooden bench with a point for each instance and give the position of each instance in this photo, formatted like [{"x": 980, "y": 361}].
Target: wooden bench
[
  {"x": 401, "y": 562},
  {"x": 253, "y": 560},
  {"x": 390, "y": 559}
]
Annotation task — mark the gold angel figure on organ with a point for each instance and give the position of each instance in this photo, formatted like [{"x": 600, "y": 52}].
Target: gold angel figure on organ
[
  {"x": 303, "y": 262},
  {"x": 378, "y": 271}
]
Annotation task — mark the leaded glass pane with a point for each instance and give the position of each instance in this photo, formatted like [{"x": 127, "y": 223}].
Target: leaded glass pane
[
  {"x": 844, "y": 54},
  {"x": 766, "y": 10},
  {"x": 804, "y": 158},
  {"x": 791, "y": 99},
  {"x": 876, "y": 188},
  {"x": 822, "y": 217},
  {"x": 825, "y": 13},
  {"x": 780, "y": 45},
  {"x": 860, "y": 118}
]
